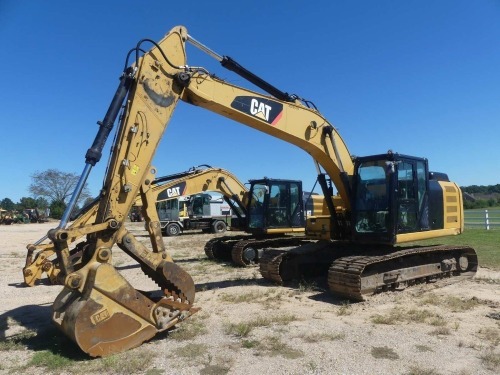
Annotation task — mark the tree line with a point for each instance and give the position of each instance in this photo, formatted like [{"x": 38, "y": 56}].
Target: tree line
[
  {"x": 489, "y": 196},
  {"x": 52, "y": 189},
  {"x": 482, "y": 189}
]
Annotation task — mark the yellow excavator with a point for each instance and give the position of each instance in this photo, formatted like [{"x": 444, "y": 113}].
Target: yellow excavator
[
  {"x": 383, "y": 201},
  {"x": 40, "y": 258},
  {"x": 179, "y": 201},
  {"x": 273, "y": 214},
  {"x": 280, "y": 216}
]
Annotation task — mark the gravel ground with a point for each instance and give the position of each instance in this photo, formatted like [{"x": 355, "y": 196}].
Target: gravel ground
[{"x": 249, "y": 326}]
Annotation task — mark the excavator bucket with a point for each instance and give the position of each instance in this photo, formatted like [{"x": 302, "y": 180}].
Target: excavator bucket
[{"x": 108, "y": 316}]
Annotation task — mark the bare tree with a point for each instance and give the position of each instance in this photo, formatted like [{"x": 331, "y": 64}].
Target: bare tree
[{"x": 56, "y": 186}]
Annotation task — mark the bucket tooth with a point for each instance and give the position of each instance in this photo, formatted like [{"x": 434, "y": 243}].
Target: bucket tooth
[{"x": 182, "y": 283}]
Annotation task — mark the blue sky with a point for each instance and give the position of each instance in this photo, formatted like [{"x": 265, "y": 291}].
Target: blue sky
[{"x": 419, "y": 77}]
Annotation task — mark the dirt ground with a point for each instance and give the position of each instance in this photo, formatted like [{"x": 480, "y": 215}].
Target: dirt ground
[{"x": 249, "y": 326}]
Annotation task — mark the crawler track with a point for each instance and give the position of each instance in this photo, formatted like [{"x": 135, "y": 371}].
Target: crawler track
[
  {"x": 219, "y": 248},
  {"x": 246, "y": 250},
  {"x": 356, "y": 276}
]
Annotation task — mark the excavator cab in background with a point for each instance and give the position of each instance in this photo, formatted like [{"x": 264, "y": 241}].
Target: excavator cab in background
[
  {"x": 275, "y": 204},
  {"x": 275, "y": 217}
]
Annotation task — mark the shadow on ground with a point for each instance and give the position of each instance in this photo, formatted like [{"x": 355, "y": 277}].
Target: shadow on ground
[{"x": 39, "y": 333}]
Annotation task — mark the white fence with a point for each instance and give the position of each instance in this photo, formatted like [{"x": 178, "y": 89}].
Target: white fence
[{"x": 487, "y": 219}]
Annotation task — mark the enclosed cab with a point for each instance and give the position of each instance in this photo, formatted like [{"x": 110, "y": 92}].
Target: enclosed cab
[
  {"x": 396, "y": 199},
  {"x": 274, "y": 205}
]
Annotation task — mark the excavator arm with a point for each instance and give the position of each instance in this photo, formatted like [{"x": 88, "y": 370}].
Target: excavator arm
[
  {"x": 98, "y": 308},
  {"x": 208, "y": 179}
]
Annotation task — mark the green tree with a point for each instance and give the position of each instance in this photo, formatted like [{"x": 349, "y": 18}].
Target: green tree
[
  {"x": 7, "y": 204},
  {"x": 42, "y": 203},
  {"x": 56, "y": 186},
  {"x": 57, "y": 209},
  {"x": 26, "y": 202}
]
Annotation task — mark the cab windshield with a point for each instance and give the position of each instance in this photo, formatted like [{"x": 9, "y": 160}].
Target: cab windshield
[{"x": 256, "y": 210}]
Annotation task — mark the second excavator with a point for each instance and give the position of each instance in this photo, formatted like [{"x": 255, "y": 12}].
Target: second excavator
[
  {"x": 264, "y": 220},
  {"x": 40, "y": 258},
  {"x": 383, "y": 201}
]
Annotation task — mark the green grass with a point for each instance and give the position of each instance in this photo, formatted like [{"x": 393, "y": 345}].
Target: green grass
[
  {"x": 132, "y": 362},
  {"x": 485, "y": 242},
  {"x": 384, "y": 352},
  {"x": 453, "y": 303},
  {"x": 399, "y": 315},
  {"x": 49, "y": 360},
  {"x": 423, "y": 348},
  {"x": 189, "y": 330},
  {"x": 273, "y": 346},
  {"x": 192, "y": 351},
  {"x": 17, "y": 342},
  {"x": 243, "y": 329},
  {"x": 317, "y": 337},
  {"x": 248, "y": 297},
  {"x": 491, "y": 360}
]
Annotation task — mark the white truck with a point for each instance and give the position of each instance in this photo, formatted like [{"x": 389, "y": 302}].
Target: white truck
[{"x": 199, "y": 211}]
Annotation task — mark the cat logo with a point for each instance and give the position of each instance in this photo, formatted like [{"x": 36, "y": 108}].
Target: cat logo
[
  {"x": 262, "y": 108},
  {"x": 172, "y": 192}
]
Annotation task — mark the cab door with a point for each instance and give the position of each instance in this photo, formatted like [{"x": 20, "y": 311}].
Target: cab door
[{"x": 411, "y": 196}]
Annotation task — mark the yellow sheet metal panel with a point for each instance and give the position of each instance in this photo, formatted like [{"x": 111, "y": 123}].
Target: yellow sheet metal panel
[{"x": 453, "y": 207}]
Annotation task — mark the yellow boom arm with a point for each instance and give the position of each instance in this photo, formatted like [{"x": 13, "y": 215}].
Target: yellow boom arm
[{"x": 97, "y": 307}]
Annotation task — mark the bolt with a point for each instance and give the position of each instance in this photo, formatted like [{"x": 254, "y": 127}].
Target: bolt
[
  {"x": 103, "y": 255},
  {"x": 47, "y": 266},
  {"x": 74, "y": 280}
]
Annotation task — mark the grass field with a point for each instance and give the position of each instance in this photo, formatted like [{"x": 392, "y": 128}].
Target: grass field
[{"x": 485, "y": 242}]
